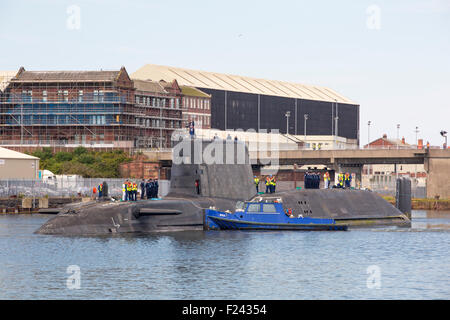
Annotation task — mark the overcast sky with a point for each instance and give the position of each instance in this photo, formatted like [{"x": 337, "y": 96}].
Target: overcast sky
[{"x": 391, "y": 57}]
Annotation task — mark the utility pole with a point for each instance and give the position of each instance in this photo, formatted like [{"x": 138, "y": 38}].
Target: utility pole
[
  {"x": 306, "y": 118},
  {"x": 415, "y": 166},
  {"x": 417, "y": 131},
  {"x": 336, "y": 129}
]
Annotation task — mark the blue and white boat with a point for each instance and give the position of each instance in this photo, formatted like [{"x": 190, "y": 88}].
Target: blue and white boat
[{"x": 267, "y": 215}]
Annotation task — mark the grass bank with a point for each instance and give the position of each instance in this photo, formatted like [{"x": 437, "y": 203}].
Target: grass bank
[{"x": 424, "y": 204}]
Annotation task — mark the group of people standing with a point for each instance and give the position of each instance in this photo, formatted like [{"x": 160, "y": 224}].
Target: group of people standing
[
  {"x": 129, "y": 191},
  {"x": 312, "y": 180},
  {"x": 344, "y": 180},
  {"x": 149, "y": 190},
  {"x": 271, "y": 184},
  {"x": 102, "y": 190}
]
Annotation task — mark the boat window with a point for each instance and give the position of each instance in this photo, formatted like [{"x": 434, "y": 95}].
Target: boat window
[
  {"x": 269, "y": 208},
  {"x": 240, "y": 205},
  {"x": 253, "y": 207}
]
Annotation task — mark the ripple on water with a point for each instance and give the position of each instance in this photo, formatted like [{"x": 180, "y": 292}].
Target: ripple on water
[{"x": 413, "y": 263}]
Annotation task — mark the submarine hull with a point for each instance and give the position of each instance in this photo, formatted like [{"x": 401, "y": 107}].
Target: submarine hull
[
  {"x": 106, "y": 217},
  {"x": 355, "y": 208},
  {"x": 195, "y": 187}
]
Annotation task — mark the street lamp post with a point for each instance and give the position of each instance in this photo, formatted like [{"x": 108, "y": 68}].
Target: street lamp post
[
  {"x": 306, "y": 118},
  {"x": 287, "y": 114},
  {"x": 417, "y": 131},
  {"x": 415, "y": 166},
  {"x": 444, "y": 134},
  {"x": 398, "y": 135},
  {"x": 336, "y": 130}
]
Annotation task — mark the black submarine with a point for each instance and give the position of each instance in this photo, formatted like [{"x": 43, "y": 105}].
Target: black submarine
[{"x": 224, "y": 175}]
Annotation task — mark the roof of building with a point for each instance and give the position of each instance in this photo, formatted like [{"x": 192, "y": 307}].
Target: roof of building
[
  {"x": 10, "y": 154},
  {"x": 220, "y": 81},
  {"x": 149, "y": 86},
  {"x": 384, "y": 140},
  {"x": 194, "y": 92},
  {"x": 5, "y": 77},
  {"x": 65, "y": 76}
]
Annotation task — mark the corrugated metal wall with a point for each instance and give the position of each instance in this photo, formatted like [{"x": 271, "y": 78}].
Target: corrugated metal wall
[{"x": 241, "y": 112}]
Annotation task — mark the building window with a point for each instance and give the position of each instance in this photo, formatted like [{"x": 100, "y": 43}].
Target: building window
[
  {"x": 137, "y": 99},
  {"x": 66, "y": 95},
  {"x": 44, "y": 95},
  {"x": 80, "y": 95}
]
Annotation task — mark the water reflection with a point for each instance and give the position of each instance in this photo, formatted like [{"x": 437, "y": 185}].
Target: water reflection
[{"x": 430, "y": 220}]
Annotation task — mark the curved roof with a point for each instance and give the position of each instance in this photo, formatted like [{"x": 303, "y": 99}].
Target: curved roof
[{"x": 220, "y": 81}]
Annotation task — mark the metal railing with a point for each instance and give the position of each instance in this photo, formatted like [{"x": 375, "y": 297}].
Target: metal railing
[{"x": 67, "y": 187}]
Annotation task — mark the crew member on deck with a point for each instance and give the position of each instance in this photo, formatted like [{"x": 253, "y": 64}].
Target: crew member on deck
[{"x": 256, "y": 182}]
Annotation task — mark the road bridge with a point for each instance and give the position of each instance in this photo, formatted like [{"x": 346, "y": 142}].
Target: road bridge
[{"x": 436, "y": 162}]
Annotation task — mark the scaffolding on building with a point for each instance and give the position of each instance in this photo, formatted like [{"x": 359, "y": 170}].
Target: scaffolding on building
[{"x": 70, "y": 111}]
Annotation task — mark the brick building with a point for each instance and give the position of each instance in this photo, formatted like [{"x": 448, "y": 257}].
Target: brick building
[
  {"x": 88, "y": 108},
  {"x": 198, "y": 107},
  {"x": 159, "y": 112},
  {"x": 386, "y": 143}
]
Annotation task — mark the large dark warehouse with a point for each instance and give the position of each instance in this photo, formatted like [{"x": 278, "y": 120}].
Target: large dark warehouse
[{"x": 240, "y": 102}]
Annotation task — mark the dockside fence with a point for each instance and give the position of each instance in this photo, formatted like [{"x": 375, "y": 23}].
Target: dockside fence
[{"x": 67, "y": 187}]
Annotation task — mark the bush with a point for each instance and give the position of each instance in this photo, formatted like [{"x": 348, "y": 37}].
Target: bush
[{"x": 81, "y": 161}]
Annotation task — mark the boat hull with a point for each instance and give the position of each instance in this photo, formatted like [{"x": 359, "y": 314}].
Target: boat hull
[
  {"x": 215, "y": 220},
  {"x": 229, "y": 224}
]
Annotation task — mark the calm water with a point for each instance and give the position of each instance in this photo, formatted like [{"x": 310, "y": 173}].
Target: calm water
[{"x": 409, "y": 263}]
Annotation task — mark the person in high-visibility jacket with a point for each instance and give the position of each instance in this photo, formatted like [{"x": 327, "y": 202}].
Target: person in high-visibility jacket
[
  {"x": 129, "y": 191},
  {"x": 274, "y": 184},
  {"x": 124, "y": 191},
  {"x": 347, "y": 180},
  {"x": 100, "y": 190},
  {"x": 326, "y": 179},
  {"x": 256, "y": 182},
  {"x": 267, "y": 184},
  {"x": 135, "y": 190},
  {"x": 341, "y": 180}
]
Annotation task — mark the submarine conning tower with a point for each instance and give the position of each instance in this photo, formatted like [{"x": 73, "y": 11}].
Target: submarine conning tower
[{"x": 221, "y": 168}]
